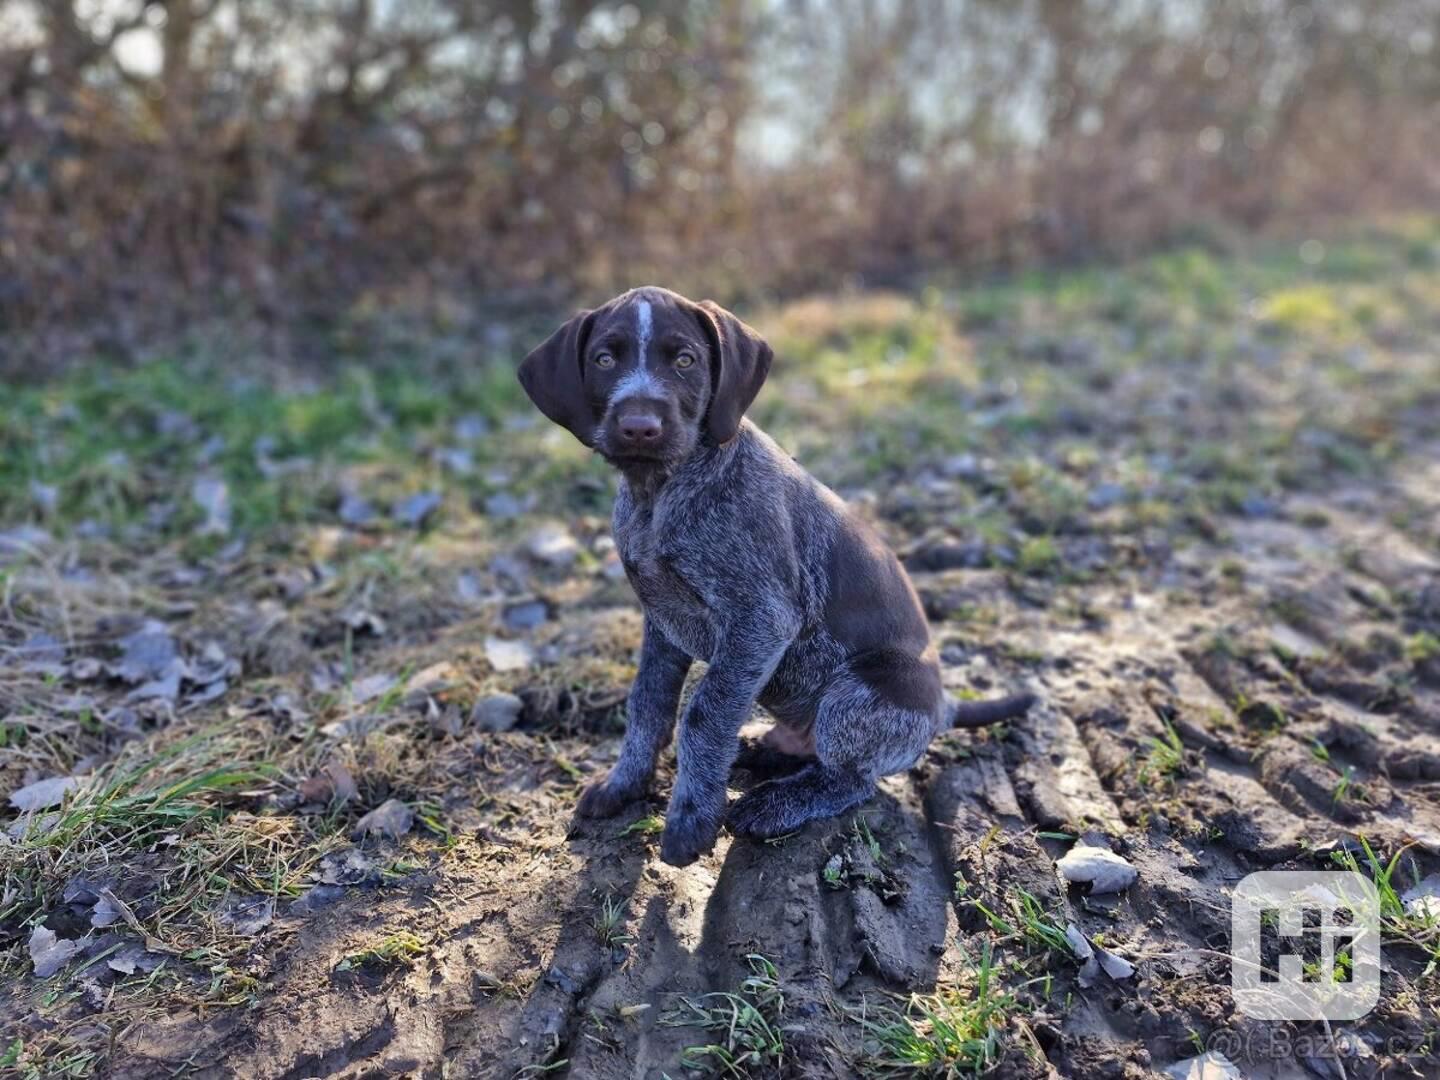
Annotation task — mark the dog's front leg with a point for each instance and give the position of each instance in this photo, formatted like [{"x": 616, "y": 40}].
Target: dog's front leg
[
  {"x": 650, "y": 712},
  {"x": 743, "y": 662}
]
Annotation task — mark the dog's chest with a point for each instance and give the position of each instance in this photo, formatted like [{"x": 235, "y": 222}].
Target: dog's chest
[{"x": 664, "y": 593}]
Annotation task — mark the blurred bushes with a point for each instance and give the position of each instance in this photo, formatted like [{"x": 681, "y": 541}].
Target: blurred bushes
[{"x": 304, "y": 164}]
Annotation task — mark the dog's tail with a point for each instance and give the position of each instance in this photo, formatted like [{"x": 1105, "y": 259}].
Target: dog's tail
[{"x": 973, "y": 714}]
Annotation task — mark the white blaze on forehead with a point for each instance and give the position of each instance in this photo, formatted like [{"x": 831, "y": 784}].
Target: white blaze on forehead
[
  {"x": 639, "y": 382},
  {"x": 643, "y": 324}
]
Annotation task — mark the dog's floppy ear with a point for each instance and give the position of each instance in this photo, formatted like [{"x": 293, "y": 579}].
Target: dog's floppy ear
[
  {"x": 551, "y": 375},
  {"x": 741, "y": 362}
]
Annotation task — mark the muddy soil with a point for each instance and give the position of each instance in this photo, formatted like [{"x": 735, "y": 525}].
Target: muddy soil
[{"x": 1255, "y": 649}]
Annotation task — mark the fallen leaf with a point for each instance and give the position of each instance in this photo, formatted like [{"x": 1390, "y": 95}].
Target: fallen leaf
[
  {"x": 133, "y": 957},
  {"x": 149, "y": 653},
  {"x": 42, "y": 654},
  {"x": 1422, "y": 901},
  {"x": 370, "y": 688},
  {"x": 43, "y": 794},
  {"x": 1105, "y": 871},
  {"x": 1211, "y": 1066},
  {"x": 334, "y": 784},
  {"x": 107, "y": 910},
  {"x": 246, "y": 916},
  {"x": 166, "y": 687},
  {"x": 392, "y": 819},
  {"x": 50, "y": 953}
]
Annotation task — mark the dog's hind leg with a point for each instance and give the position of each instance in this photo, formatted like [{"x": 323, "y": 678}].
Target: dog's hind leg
[
  {"x": 780, "y": 806},
  {"x": 859, "y": 737}
]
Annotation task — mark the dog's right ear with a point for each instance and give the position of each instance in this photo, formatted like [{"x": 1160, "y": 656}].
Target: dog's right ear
[{"x": 552, "y": 377}]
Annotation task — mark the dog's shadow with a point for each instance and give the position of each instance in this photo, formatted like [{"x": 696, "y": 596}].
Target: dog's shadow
[{"x": 846, "y": 905}]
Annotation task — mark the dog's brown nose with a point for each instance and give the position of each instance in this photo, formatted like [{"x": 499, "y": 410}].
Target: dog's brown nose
[{"x": 640, "y": 429}]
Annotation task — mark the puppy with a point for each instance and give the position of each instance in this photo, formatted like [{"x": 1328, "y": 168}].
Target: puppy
[{"x": 740, "y": 558}]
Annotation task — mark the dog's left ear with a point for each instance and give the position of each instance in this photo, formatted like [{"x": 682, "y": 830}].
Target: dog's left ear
[
  {"x": 551, "y": 375},
  {"x": 740, "y": 363}
]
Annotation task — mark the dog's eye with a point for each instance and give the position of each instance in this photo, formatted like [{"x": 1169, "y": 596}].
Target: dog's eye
[
  {"x": 684, "y": 360},
  {"x": 604, "y": 360}
]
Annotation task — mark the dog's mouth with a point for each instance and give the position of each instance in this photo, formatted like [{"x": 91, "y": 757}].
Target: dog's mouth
[{"x": 637, "y": 459}]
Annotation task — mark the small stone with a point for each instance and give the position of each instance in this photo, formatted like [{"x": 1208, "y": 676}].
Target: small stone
[
  {"x": 416, "y": 510},
  {"x": 497, "y": 712},
  {"x": 355, "y": 510},
  {"x": 525, "y": 616},
  {"x": 1104, "y": 496},
  {"x": 553, "y": 545},
  {"x": 508, "y": 655},
  {"x": 1105, "y": 871},
  {"x": 503, "y": 505}
]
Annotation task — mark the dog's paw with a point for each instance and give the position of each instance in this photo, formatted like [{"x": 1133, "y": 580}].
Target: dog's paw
[
  {"x": 604, "y": 799},
  {"x": 687, "y": 836},
  {"x": 760, "y": 813}
]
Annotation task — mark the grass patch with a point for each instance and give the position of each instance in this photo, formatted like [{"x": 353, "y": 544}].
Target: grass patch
[
  {"x": 948, "y": 1034},
  {"x": 747, "y": 1022}
]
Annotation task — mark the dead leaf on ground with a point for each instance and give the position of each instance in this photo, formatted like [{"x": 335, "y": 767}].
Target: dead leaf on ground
[
  {"x": 49, "y": 952},
  {"x": 392, "y": 819},
  {"x": 43, "y": 794}
]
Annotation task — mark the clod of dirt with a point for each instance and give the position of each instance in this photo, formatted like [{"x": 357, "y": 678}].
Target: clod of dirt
[
  {"x": 497, "y": 712},
  {"x": 508, "y": 655},
  {"x": 43, "y": 794},
  {"x": 392, "y": 819},
  {"x": 1210, "y": 1066},
  {"x": 49, "y": 953},
  {"x": 316, "y": 898},
  {"x": 349, "y": 867},
  {"x": 1105, "y": 871}
]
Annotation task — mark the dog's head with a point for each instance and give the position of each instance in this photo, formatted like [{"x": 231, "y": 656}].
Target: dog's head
[{"x": 646, "y": 377}]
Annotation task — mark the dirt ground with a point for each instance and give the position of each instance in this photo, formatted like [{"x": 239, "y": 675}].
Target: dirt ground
[{"x": 1211, "y": 546}]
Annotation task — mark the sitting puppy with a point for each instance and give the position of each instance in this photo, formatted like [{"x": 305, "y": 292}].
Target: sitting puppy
[{"x": 741, "y": 559}]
